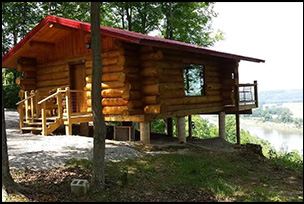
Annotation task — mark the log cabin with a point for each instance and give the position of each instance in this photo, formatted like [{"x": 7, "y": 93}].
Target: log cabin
[{"x": 144, "y": 78}]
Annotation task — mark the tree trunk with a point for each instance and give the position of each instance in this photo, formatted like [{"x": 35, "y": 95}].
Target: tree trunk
[
  {"x": 171, "y": 21},
  {"x": 98, "y": 178},
  {"x": 8, "y": 183},
  {"x": 129, "y": 15}
]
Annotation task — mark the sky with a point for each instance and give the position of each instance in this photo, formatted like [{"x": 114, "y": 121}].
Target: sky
[{"x": 269, "y": 31}]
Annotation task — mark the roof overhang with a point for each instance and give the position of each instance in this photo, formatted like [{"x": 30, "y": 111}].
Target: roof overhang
[{"x": 63, "y": 26}]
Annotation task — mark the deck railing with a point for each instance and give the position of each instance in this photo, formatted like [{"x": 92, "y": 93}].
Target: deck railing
[
  {"x": 248, "y": 94},
  {"x": 58, "y": 105}
]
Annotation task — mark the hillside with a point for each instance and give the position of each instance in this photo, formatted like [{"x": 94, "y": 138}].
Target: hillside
[
  {"x": 202, "y": 170},
  {"x": 281, "y": 96}
]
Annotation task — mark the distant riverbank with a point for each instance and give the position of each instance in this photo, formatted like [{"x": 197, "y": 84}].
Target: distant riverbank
[
  {"x": 257, "y": 121},
  {"x": 281, "y": 136},
  {"x": 281, "y": 126}
]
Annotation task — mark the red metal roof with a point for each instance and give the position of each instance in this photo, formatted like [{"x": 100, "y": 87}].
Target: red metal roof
[{"x": 126, "y": 36}]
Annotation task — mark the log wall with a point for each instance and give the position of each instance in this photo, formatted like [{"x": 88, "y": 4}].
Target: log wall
[
  {"x": 136, "y": 80},
  {"x": 163, "y": 85},
  {"x": 120, "y": 80},
  {"x": 29, "y": 71}
]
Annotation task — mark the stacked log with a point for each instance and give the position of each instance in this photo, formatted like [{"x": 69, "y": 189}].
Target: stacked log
[
  {"x": 151, "y": 72},
  {"x": 228, "y": 83},
  {"x": 120, "y": 81},
  {"x": 28, "y": 68},
  {"x": 51, "y": 76},
  {"x": 171, "y": 83}
]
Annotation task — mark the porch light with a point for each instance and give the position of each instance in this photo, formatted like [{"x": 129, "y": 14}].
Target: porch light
[{"x": 88, "y": 45}]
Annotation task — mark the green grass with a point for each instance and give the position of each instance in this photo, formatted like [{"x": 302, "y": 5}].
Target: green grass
[{"x": 198, "y": 175}]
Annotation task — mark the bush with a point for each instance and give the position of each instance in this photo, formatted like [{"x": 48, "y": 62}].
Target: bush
[{"x": 11, "y": 95}]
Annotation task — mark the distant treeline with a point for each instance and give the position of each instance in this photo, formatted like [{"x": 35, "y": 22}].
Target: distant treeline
[
  {"x": 277, "y": 114},
  {"x": 281, "y": 96}
]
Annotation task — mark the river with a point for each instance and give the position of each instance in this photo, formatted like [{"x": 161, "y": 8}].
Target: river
[{"x": 287, "y": 139}]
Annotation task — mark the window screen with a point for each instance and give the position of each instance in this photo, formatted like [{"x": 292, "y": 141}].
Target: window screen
[{"x": 193, "y": 80}]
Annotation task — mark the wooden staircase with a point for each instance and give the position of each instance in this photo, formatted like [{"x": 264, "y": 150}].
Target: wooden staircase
[
  {"x": 35, "y": 125},
  {"x": 43, "y": 114}
]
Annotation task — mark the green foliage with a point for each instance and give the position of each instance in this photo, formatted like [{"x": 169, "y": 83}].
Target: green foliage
[
  {"x": 291, "y": 159},
  {"x": 203, "y": 128},
  {"x": 10, "y": 90},
  {"x": 277, "y": 114},
  {"x": 190, "y": 21},
  {"x": 230, "y": 126}
]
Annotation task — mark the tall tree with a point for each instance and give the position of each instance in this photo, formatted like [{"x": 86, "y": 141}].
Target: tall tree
[
  {"x": 190, "y": 22},
  {"x": 8, "y": 183},
  {"x": 98, "y": 178}
]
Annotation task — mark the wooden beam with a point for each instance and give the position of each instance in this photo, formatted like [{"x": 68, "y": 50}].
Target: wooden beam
[
  {"x": 41, "y": 44},
  {"x": 61, "y": 27}
]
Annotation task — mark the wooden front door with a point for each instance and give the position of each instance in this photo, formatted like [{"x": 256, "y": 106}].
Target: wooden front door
[{"x": 77, "y": 82}]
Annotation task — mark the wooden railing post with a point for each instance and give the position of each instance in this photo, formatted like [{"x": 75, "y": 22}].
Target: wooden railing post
[
  {"x": 21, "y": 115},
  {"x": 32, "y": 105},
  {"x": 256, "y": 93},
  {"x": 59, "y": 103},
  {"x": 68, "y": 127},
  {"x": 26, "y": 106},
  {"x": 37, "y": 106},
  {"x": 43, "y": 115}
]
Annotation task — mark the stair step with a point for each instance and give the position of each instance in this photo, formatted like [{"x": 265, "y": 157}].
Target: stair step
[
  {"x": 39, "y": 120},
  {"x": 32, "y": 128},
  {"x": 36, "y": 123}
]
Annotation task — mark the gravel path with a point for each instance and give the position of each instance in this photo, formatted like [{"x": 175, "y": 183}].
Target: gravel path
[{"x": 44, "y": 152}]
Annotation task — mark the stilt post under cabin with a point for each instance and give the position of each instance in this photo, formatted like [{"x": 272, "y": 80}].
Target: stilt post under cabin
[
  {"x": 170, "y": 127},
  {"x": 181, "y": 131},
  {"x": 237, "y": 121},
  {"x": 222, "y": 133},
  {"x": 68, "y": 126},
  {"x": 145, "y": 132},
  {"x": 190, "y": 125}
]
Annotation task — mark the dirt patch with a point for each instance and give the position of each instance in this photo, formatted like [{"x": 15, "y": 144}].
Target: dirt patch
[{"x": 39, "y": 152}]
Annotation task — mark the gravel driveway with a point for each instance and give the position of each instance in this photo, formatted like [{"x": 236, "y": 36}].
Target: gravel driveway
[{"x": 44, "y": 152}]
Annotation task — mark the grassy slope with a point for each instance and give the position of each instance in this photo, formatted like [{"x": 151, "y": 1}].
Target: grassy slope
[{"x": 196, "y": 174}]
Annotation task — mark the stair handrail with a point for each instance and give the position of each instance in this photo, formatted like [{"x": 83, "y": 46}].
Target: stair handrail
[
  {"x": 28, "y": 116},
  {"x": 43, "y": 108},
  {"x": 51, "y": 96},
  {"x": 22, "y": 101}
]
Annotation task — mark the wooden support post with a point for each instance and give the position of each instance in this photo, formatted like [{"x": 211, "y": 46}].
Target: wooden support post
[
  {"x": 237, "y": 104},
  {"x": 59, "y": 103},
  {"x": 21, "y": 116},
  {"x": 32, "y": 106},
  {"x": 145, "y": 132},
  {"x": 181, "y": 131},
  {"x": 84, "y": 129},
  {"x": 190, "y": 126},
  {"x": 26, "y": 106},
  {"x": 68, "y": 127},
  {"x": 43, "y": 115},
  {"x": 170, "y": 127},
  {"x": 256, "y": 93},
  {"x": 37, "y": 112},
  {"x": 238, "y": 137},
  {"x": 222, "y": 133}
]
